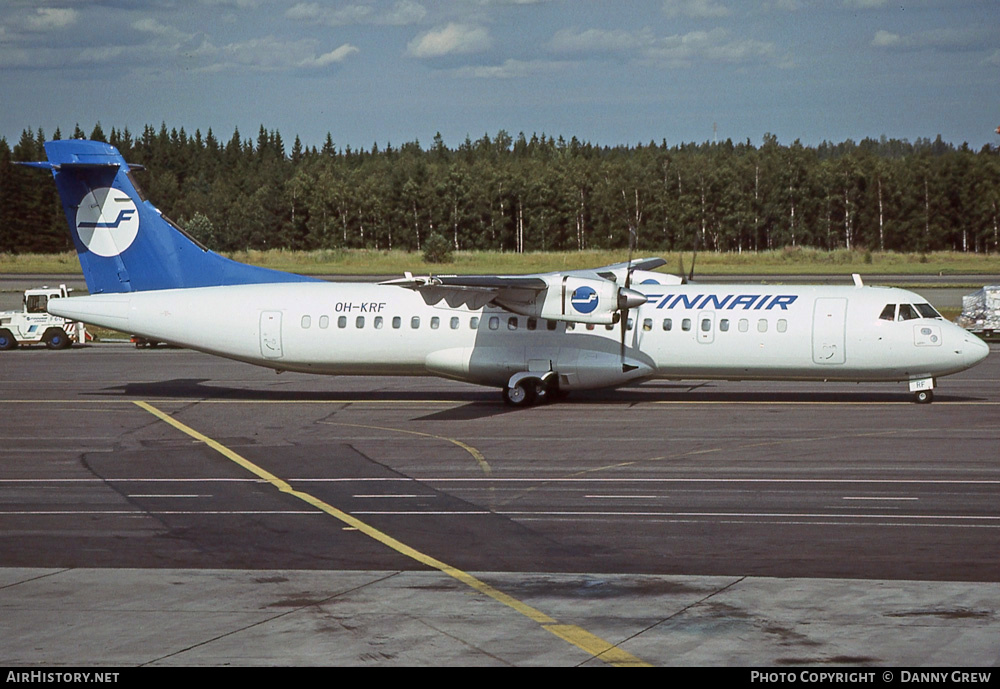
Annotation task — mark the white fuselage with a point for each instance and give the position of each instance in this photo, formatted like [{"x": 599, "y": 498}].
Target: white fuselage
[{"x": 684, "y": 331}]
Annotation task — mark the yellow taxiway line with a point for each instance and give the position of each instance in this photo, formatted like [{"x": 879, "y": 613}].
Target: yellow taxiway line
[{"x": 577, "y": 636}]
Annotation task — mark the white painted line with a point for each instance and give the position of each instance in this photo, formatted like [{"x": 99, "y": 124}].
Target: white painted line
[
  {"x": 862, "y": 497},
  {"x": 394, "y": 496}
]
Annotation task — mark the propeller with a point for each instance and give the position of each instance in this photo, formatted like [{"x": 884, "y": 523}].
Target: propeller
[
  {"x": 680, "y": 263},
  {"x": 628, "y": 298}
]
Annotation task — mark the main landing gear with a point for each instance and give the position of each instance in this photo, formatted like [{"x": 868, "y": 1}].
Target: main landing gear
[{"x": 525, "y": 389}]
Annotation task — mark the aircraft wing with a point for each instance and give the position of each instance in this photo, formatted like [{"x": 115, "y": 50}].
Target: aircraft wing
[{"x": 584, "y": 296}]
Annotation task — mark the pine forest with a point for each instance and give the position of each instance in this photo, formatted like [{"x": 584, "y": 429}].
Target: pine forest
[{"x": 519, "y": 194}]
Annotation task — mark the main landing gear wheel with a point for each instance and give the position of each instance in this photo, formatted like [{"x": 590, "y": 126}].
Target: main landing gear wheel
[
  {"x": 923, "y": 396},
  {"x": 521, "y": 395},
  {"x": 546, "y": 391}
]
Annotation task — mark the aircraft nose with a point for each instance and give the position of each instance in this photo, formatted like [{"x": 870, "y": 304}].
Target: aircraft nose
[{"x": 974, "y": 350}]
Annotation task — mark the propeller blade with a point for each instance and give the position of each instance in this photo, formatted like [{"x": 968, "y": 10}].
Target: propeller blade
[
  {"x": 624, "y": 324},
  {"x": 627, "y": 299},
  {"x": 694, "y": 256}
]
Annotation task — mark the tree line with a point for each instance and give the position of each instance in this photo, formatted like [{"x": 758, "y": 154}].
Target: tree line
[{"x": 516, "y": 194}]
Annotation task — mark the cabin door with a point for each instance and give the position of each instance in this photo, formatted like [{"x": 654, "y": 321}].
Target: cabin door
[
  {"x": 829, "y": 321},
  {"x": 270, "y": 334}
]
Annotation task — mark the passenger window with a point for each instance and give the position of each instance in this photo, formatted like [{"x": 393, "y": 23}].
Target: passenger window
[
  {"x": 609, "y": 327},
  {"x": 359, "y": 322},
  {"x": 762, "y": 326},
  {"x": 647, "y": 324},
  {"x": 590, "y": 326},
  {"x": 415, "y": 322},
  {"x": 532, "y": 323},
  {"x": 686, "y": 324},
  {"x": 706, "y": 324},
  {"x": 342, "y": 322},
  {"x": 906, "y": 313},
  {"x": 668, "y": 324},
  {"x": 550, "y": 325},
  {"x": 378, "y": 322},
  {"x": 744, "y": 325},
  {"x": 494, "y": 322},
  {"x": 512, "y": 323},
  {"x": 306, "y": 321},
  {"x": 474, "y": 323},
  {"x": 888, "y": 313},
  {"x": 396, "y": 322},
  {"x": 454, "y": 322},
  {"x": 324, "y": 321},
  {"x": 724, "y": 325},
  {"x": 435, "y": 322},
  {"x": 630, "y": 324},
  {"x": 782, "y": 325}
]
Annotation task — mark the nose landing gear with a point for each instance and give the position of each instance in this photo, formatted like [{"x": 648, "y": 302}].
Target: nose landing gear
[{"x": 923, "y": 390}]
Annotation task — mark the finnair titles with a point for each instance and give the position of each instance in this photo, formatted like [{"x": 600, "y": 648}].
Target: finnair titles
[{"x": 745, "y": 302}]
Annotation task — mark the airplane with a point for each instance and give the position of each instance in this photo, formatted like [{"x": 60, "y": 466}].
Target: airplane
[{"x": 536, "y": 337}]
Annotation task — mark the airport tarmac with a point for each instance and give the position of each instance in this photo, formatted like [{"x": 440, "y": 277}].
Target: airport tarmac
[{"x": 164, "y": 507}]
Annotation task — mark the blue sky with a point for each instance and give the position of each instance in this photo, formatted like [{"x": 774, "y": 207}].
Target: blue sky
[{"x": 608, "y": 72}]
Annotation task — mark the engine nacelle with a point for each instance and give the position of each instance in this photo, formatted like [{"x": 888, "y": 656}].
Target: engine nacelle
[{"x": 577, "y": 299}]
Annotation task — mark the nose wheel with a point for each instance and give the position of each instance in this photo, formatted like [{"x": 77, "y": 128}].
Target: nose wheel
[{"x": 923, "y": 390}]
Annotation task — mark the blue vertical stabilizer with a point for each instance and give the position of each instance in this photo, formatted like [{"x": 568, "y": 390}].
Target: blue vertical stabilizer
[{"x": 124, "y": 243}]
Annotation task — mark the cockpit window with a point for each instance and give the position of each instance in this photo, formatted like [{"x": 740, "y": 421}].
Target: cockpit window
[
  {"x": 906, "y": 313},
  {"x": 888, "y": 313},
  {"x": 927, "y": 311}
]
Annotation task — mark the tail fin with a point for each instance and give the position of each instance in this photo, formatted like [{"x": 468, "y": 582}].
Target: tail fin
[{"x": 124, "y": 243}]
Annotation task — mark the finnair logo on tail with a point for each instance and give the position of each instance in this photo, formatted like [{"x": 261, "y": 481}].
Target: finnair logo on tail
[
  {"x": 584, "y": 299},
  {"x": 107, "y": 221},
  {"x": 122, "y": 216}
]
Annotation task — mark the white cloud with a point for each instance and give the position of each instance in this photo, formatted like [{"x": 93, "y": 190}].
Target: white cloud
[
  {"x": 698, "y": 9},
  {"x": 453, "y": 39},
  {"x": 679, "y": 50},
  {"x": 511, "y": 69},
  {"x": 152, "y": 26},
  {"x": 50, "y": 19},
  {"x": 239, "y": 4},
  {"x": 713, "y": 46},
  {"x": 884, "y": 39},
  {"x": 944, "y": 40},
  {"x": 595, "y": 40},
  {"x": 866, "y": 4},
  {"x": 334, "y": 56},
  {"x": 400, "y": 13}
]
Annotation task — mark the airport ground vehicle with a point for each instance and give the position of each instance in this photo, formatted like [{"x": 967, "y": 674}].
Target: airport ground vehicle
[{"x": 33, "y": 324}]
